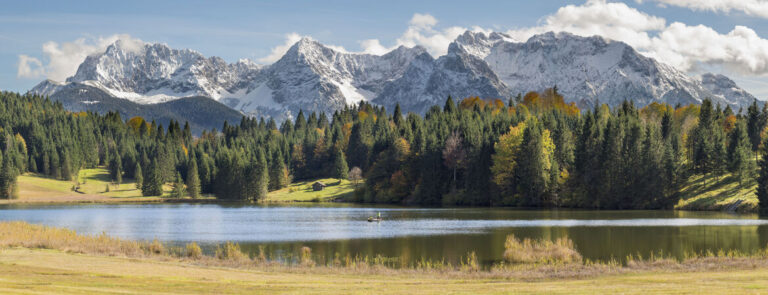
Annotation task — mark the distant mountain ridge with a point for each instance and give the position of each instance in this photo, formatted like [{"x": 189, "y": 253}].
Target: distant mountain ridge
[{"x": 315, "y": 77}]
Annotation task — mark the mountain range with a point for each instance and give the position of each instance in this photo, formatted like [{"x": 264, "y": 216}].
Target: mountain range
[{"x": 162, "y": 83}]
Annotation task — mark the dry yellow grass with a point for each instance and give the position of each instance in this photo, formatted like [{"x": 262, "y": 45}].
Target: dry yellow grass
[{"x": 540, "y": 251}]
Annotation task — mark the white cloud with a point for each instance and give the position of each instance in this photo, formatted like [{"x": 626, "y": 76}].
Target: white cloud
[
  {"x": 291, "y": 39},
  {"x": 421, "y": 31},
  {"x": 30, "y": 67},
  {"x": 423, "y": 21},
  {"x": 740, "y": 50},
  {"x": 280, "y": 50},
  {"x": 373, "y": 46},
  {"x": 596, "y": 17},
  {"x": 758, "y": 8},
  {"x": 64, "y": 58},
  {"x": 676, "y": 44}
]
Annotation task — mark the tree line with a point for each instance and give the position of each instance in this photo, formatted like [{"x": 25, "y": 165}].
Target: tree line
[{"x": 531, "y": 151}]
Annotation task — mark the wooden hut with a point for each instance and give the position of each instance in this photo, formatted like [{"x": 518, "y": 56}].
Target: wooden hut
[{"x": 318, "y": 186}]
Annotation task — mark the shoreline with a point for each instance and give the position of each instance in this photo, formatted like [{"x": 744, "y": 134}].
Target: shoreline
[{"x": 37, "y": 258}]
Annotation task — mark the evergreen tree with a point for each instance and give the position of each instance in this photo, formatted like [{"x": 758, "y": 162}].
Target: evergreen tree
[
  {"x": 755, "y": 125},
  {"x": 278, "y": 173},
  {"x": 340, "y": 167},
  {"x": 138, "y": 176},
  {"x": 193, "y": 179},
  {"x": 153, "y": 183},
  {"x": 116, "y": 168},
  {"x": 178, "y": 187},
  {"x": 739, "y": 152},
  {"x": 762, "y": 179},
  {"x": 8, "y": 188},
  {"x": 450, "y": 106}
]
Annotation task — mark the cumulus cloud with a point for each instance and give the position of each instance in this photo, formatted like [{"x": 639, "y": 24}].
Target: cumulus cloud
[
  {"x": 758, "y": 8},
  {"x": 290, "y": 39},
  {"x": 278, "y": 51},
  {"x": 64, "y": 58},
  {"x": 683, "y": 46},
  {"x": 421, "y": 31},
  {"x": 30, "y": 67},
  {"x": 677, "y": 44},
  {"x": 596, "y": 17}
]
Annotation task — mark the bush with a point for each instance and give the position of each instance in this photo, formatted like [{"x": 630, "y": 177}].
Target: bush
[
  {"x": 306, "y": 257},
  {"x": 194, "y": 251},
  {"x": 540, "y": 251},
  {"x": 156, "y": 247},
  {"x": 230, "y": 251}
]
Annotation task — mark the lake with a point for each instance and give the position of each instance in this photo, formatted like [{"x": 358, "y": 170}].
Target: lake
[{"x": 408, "y": 233}]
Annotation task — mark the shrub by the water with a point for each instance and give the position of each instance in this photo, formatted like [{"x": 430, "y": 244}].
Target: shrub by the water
[
  {"x": 540, "y": 251},
  {"x": 194, "y": 251}
]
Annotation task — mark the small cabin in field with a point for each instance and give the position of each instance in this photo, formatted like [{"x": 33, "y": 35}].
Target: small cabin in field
[{"x": 318, "y": 186}]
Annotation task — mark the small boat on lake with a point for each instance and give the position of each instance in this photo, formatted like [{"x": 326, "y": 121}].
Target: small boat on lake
[{"x": 377, "y": 219}]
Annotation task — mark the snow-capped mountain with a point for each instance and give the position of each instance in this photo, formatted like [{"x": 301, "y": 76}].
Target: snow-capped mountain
[
  {"x": 724, "y": 88},
  {"x": 314, "y": 77},
  {"x": 429, "y": 81},
  {"x": 585, "y": 69}
]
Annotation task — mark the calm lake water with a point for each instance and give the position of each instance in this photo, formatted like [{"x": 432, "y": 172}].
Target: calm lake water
[{"x": 409, "y": 233}]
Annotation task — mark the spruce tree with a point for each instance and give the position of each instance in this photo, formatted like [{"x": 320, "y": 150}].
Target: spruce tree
[
  {"x": 153, "y": 184},
  {"x": 139, "y": 176},
  {"x": 278, "y": 174},
  {"x": 178, "y": 187},
  {"x": 193, "y": 179},
  {"x": 739, "y": 152},
  {"x": 755, "y": 125},
  {"x": 340, "y": 168},
  {"x": 762, "y": 179},
  {"x": 263, "y": 177}
]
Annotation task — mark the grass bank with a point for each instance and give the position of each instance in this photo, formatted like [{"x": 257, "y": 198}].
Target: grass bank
[
  {"x": 713, "y": 193},
  {"x": 36, "y": 189},
  {"x": 37, "y": 259},
  {"x": 302, "y": 191}
]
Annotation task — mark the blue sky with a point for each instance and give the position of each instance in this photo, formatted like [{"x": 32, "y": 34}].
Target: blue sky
[{"x": 253, "y": 29}]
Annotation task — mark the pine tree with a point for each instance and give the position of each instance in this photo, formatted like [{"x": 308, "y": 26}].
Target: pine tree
[
  {"x": 278, "y": 173},
  {"x": 263, "y": 176},
  {"x": 739, "y": 152},
  {"x": 66, "y": 166},
  {"x": 193, "y": 179},
  {"x": 450, "y": 106},
  {"x": 8, "y": 179},
  {"x": 153, "y": 184},
  {"x": 178, "y": 187},
  {"x": 139, "y": 176},
  {"x": 116, "y": 168},
  {"x": 762, "y": 179},
  {"x": 755, "y": 125},
  {"x": 340, "y": 168}
]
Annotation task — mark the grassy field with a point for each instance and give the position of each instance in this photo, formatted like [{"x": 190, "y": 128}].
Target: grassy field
[
  {"x": 302, "y": 191},
  {"x": 27, "y": 271},
  {"x": 45, "y": 260},
  {"x": 35, "y": 188},
  {"x": 708, "y": 192}
]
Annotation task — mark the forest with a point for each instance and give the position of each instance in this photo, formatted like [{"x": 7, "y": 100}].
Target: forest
[{"x": 533, "y": 150}]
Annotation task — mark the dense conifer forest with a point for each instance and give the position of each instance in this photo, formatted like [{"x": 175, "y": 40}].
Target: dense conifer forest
[{"x": 531, "y": 151}]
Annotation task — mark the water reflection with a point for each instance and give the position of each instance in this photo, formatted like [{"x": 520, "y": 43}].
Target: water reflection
[{"x": 409, "y": 233}]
